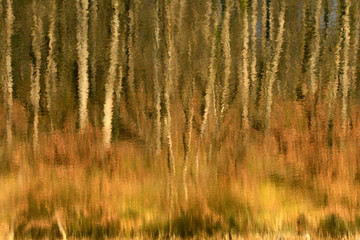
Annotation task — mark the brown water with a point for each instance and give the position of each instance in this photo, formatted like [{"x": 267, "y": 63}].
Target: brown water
[{"x": 184, "y": 119}]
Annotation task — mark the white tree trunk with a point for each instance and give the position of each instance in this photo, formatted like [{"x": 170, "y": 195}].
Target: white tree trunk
[
  {"x": 254, "y": 5},
  {"x": 109, "y": 88},
  {"x": 245, "y": 73},
  {"x": 157, "y": 90},
  {"x": 8, "y": 85},
  {"x": 227, "y": 61},
  {"x": 169, "y": 79},
  {"x": 83, "y": 55},
  {"x": 345, "y": 81}
]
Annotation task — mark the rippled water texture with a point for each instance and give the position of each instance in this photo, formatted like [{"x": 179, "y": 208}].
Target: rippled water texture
[{"x": 179, "y": 118}]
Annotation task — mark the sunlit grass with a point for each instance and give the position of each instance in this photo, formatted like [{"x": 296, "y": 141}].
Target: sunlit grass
[{"x": 123, "y": 192}]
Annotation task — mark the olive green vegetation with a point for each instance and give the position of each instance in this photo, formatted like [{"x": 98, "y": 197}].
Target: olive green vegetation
[{"x": 184, "y": 119}]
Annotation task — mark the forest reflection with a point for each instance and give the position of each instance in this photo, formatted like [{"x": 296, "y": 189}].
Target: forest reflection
[{"x": 178, "y": 118}]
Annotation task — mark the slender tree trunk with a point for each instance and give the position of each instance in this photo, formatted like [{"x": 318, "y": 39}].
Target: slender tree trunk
[
  {"x": 314, "y": 59},
  {"x": 183, "y": 7},
  {"x": 51, "y": 71},
  {"x": 109, "y": 88},
  {"x": 157, "y": 87},
  {"x": 270, "y": 37},
  {"x": 120, "y": 69},
  {"x": 60, "y": 225},
  {"x": 93, "y": 18},
  {"x": 245, "y": 73},
  {"x": 131, "y": 66},
  {"x": 258, "y": 86},
  {"x": 314, "y": 69},
  {"x": 189, "y": 124},
  {"x": 83, "y": 55},
  {"x": 326, "y": 18},
  {"x": 174, "y": 47},
  {"x": 225, "y": 97},
  {"x": 36, "y": 35},
  {"x": 138, "y": 84},
  {"x": 302, "y": 43},
  {"x": 264, "y": 29},
  {"x": 345, "y": 76},
  {"x": 324, "y": 72},
  {"x": 1, "y": 22},
  {"x": 274, "y": 67},
  {"x": 206, "y": 28},
  {"x": 306, "y": 42},
  {"x": 168, "y": 87},
  {"x": 355, "y": 39},
  {"x": 227, "y": 61},
  {"x": 187, "y": 134},
  {"x": 271, "y": 29},
  {"x": 334, "y": 85},
  {"x": 119, "y": 82},
  {"x": 254, "y": 13},
  {"x": 8, "y": 85},
  {"x": 209, "y": 94},
  {"x": 169, "y": 75},
  {"x": 119, "y": 85}
]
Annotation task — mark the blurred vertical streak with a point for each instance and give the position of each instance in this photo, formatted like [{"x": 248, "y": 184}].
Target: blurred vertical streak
[
  {"x": 245, "y": 72},
  {"x": 51, "y": 71},
  {"x": 93, "y": 25},
  {"x": 334, "y": 81},
  {"x": 253, "y": 37},
  {"x": 345, "y": 76},
  {"x": 37, "y": 35},
  {"x": 83, "y": 55},
  {"x": 157, "y": 85},
  {"x": 314, "y": 58},
  {"x": 355, "y": 38},
  {"x": 227, "y": 61},
  {"x": 169, "y": 81},
  {"x": 8, "y": 85},
  {"x": 274, "y": 66},
  {"x": 109, "y": 87},
  {"x": 187, "y": 134},
  {"x": 209, "y": 93}
]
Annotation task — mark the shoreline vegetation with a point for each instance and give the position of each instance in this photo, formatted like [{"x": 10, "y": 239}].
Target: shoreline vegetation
[
  {"x": 124, "y": 119},
  {"x": 122, "y": 192}
]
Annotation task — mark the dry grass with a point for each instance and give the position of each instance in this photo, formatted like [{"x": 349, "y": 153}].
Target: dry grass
[{"x": 257, "y": 187}]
